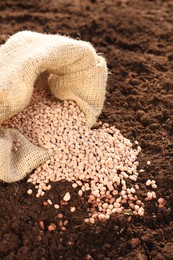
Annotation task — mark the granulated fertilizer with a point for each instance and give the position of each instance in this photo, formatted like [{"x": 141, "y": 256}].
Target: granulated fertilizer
[{"x": 100, "y": 162}]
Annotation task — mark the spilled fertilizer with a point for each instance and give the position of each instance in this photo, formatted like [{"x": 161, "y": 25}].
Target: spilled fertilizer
[{"x": 100, "y": 163}]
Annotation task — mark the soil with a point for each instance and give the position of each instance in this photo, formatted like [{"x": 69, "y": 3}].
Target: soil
[{"x": 136, "y": 39}]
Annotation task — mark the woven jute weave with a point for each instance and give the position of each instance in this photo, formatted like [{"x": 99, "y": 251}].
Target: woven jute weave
[{"x": 76, "y": 72}]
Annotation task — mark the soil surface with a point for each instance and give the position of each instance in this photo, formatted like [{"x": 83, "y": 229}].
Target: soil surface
[{"x": 135, "y": 36}]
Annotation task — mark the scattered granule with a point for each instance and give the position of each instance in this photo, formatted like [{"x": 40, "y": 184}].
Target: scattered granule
[
  {"x": 64, "y": 203},
  {"x": 51, "y": 227},
  {"x": 99, "y": 162},
  {"x": 41, "y": 223},
  {"x": 80, "y": 193},
  {"x": 74, "y": 185},
  {"x": 154, "y": 194},
  {"x": 63, "y": 228},
  {"x": 141, "y": 211},
  {"x": 72, "y": 209},
  {"x": 92, "y": 220},
  {"x": 50, "y": 202},
  {"x": 29, "y": 191},
  {"x": 45, "y": 203},
  {"x": 150, "y": 195},
  {"x": 65, "y": 223},
  {"x": 148, "y": 182},
  {"x": 153, "y": 184},
  {"x": 161, "y": 202},
  {"x": 60, "y": 216},
  {"x": 67, "y": 197},
  {"x": 141, "y": 170}
]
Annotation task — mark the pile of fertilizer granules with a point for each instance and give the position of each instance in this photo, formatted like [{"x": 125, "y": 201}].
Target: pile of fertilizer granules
[{"x": 99, "y": 162}]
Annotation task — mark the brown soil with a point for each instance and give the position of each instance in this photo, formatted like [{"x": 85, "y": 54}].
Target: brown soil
[{"x": 136, "y": 38}]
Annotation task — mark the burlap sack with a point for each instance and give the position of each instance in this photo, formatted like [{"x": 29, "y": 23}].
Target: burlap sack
[
  {"x": 76, "y": 73},
  {"x": 18, "y": 160}
]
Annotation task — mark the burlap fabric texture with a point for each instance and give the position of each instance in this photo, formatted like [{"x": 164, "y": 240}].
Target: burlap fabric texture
[{"x": 76, "y": 72}]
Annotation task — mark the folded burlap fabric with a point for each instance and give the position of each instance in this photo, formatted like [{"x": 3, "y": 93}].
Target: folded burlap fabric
[{"x": 76, "y": 72}]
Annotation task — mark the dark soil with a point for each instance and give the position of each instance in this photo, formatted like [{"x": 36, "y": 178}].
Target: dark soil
[{"x": 136, "y": 37}]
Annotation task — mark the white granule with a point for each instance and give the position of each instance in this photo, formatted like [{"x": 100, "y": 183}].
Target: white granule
[
  {"x": 100, "y": 161},
  {"x": 67, "y": 197}
]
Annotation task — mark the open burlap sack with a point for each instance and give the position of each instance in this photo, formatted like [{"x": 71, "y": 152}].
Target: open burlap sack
[{"x": 76, "y": 73}]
